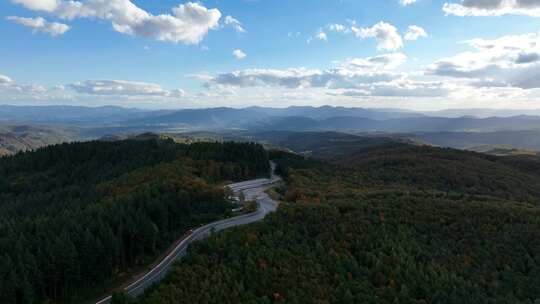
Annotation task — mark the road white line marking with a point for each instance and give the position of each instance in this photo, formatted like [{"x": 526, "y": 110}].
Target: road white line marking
[{"x": 167, "y": 261}]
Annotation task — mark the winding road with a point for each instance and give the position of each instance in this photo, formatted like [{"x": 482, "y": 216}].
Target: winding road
[{"x": 254, "y": 190}]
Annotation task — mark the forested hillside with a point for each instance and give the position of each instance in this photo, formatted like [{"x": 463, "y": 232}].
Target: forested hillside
[
  {"x": 387, "y": 224},
  {"x": 75, "y": 217},
  {"x": 410, "y": 167}
]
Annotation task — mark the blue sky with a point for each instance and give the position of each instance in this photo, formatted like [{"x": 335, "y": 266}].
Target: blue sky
[{"x": 271, "y": 52}]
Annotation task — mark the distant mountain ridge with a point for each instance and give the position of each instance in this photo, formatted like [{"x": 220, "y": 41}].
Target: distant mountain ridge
[
  {"x": 111, "y": 120},
  {"x": 14, "y": 139},
  {"x": 525, "y": 140},
  {"x": 224, "y": 117},
  {"x": 325, "y": 112},
  {"x": 332, "y": 119},
  {"x": 412, "y": 124},
  {"x": 67, "y": 114}
]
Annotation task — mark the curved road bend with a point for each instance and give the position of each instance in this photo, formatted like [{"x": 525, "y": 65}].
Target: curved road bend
[{"x": 253, "y": 190}]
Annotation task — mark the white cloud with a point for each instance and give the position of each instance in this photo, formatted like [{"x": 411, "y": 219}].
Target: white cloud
[
  {"x": 493, "y": 8},
  {"x": 376, "y": 80},
  {"x": 4, "y": 79},
  {"x": 39, "y": 95},
  {"x": 189, "y": 23},
  {"x": 239, "y": 54},
  {"x": 293, "y": 34},
  {"x": 414, "y": 32},
  {"x": 386, "y": 35},
  {"x": 123, "y": 88},
  {"x": 95, "y": 92},
  {"x": 23, "y": 90},
  {"x": 350, "y": 84},
  {"x": 39, "y": 5},
  {"x": 299, "y": 78},
  {"x": 512, "y": 61},
  {"x": 13, "y": 91},
  {"x": 377, "y": 63},
  {"x": 351, "y": 74},
  {"x": 235, "y": 24},
  {"x": 339, "y": 28},
  {"x": 407, "y": 2},
  {"x": 322, "y": 36},
  {"x": 399, "y": 88},
  {"x": 40, "y": 25}
]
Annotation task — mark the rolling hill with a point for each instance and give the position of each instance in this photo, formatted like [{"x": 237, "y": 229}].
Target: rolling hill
[
  {"x": 24, "y": 138},
  {"x": 384, "y": 223},
  {"x": 75, "y": 219}
]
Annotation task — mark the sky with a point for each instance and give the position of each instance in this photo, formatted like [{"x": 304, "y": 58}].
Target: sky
[{"x": 410, "y": 54}]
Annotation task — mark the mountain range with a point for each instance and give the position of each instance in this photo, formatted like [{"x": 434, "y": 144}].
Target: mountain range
[
  {"x": 257, "y": 118},
  {"x": 44, "y": 125},
  {"x": 262, "y": 118}
]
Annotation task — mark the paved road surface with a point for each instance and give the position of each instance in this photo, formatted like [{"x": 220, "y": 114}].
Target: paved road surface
[{"x": 253, "y": 190}]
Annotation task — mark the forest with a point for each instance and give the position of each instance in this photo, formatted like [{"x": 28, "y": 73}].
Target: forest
[
  {"x": 408, "y": 167},
  {"x": 392, "y": 223},
  {"x": 74, "y": 218}
]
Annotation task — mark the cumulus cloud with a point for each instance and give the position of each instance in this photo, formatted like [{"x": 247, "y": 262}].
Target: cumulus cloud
[
  {"x": 239, "y": 54},
  {"x": 103, "y": 92},
  {"x": 407, "y": 2},
  {"x": 339, "y": 28},
  {"x": 377, "y": 63},
  {"x": 525, "y": 57},
  {"x": 337, "y": 82},
  {"x": 298, "y": 78},
  {"x": 40, "y": 25},
  {"x": 399, "y": 88},
  {"x": 414, "y": 32},
  {"x": 189, "y": 23},
  {"x": 235, "y": 24},
  {"x": 123, "y": 88},
  {"x": 24, "y": 91},
  {"x": 386, "y": 35},
  {"x": 512, "y": 61},
  {"x": 493, "y": 8},
  {"x": 351, "y": 74},
  {"x": 4, "y": 79},
  {"x": 39, "y": 5},
  {"x": 506, "y": 72},
  {"x": 10, "y": 90},
  {"x": 321, "y": 36}
]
